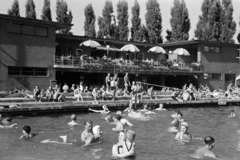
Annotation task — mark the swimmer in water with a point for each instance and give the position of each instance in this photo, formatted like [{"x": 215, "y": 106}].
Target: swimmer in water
[
  {"x": 97, "y": 133},
  {"x": 206, "y": 151},
  {"x": 184, "y": 134},
  {"x": 174, "y": 128},
  {"x": 125, "y": 147},
  {"x": 123, "y": 120},
  {"x": 87, "y": 135},
  {"x": 146, "y": 110},
  {"x": 27, "y": 133},
  {"x": 175, "y": 114},
  {"x": 133, "y": 114},
  {"x": 232, "y": 114},
  {"x": 179, "y": 116},
  {"x": 119, "y": 126},
  {"x": 109, "y": 117},
  {"x": 74, "y": 119},
  {"x": 160, "y": 108},
  {"x": 104, "y": 111},
  {"x": 4, "y": 122}
]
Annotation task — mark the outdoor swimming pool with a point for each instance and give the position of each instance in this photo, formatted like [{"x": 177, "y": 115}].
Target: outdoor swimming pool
[{"x": 153, "y": 141}]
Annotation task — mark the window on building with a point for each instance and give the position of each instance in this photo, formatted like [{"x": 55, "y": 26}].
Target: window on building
[
  {"x": 40, "y": 31},
  {"x": 206, "y": 48},
  {"x": 212, "y": 49},
  {"x": 27, "y": 71},
  {"x": 215, "y": 76},
  {"x": 27, "y": 30},
  {"x": 14, "y": 71},
  {"x": 13, "y": 28},
  {"x": 79, "y": 52}
]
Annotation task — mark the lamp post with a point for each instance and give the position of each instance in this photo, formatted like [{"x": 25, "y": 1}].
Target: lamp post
[{"x": 107, "y": 50}]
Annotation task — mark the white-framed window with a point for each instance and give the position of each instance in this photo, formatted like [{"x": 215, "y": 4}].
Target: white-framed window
[{"x": 79, "y": 52}]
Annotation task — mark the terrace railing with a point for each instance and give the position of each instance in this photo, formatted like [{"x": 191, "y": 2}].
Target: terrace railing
[{"x": 118, "y": 65}]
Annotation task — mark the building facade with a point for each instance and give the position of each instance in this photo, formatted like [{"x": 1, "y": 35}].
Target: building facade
[{"x": 31, "y": 53}]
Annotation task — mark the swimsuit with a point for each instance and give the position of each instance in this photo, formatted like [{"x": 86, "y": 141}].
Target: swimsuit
[
  {"x": 127, "y": 146},
  {"x": 119, "y": 147}
]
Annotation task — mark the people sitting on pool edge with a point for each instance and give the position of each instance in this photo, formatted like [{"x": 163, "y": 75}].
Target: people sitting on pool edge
[
  {"x": 88, "y": 136},
  {"x": 104, "y": 111},
  {"x": 184, "y": 134},
  {"x": 74, "y": 119},
  {"x": 4, "y": 123},
  {"x": 232, "y": 114},
  {"x": 206, "y": 151},
  {"x": 27, "y": 133},
  {"x": 126, "y": 145}
]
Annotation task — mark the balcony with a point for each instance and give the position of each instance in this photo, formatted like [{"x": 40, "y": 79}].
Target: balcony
[{"x": 130, "y": 66}]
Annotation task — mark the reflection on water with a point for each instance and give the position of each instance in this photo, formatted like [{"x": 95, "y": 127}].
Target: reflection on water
[{"x": 152, "y": 141}]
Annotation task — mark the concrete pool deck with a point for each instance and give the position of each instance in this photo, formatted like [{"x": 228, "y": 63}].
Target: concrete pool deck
[{"x": 28, "y": 106}]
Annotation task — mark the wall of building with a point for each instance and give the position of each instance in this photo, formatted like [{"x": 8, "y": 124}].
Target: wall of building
[
  {"x": 222, "y": 63},
  {"x": 25, "y": 51}
]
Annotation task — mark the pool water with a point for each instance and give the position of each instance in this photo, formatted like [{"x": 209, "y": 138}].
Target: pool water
[{"x": 153, "y": 141}]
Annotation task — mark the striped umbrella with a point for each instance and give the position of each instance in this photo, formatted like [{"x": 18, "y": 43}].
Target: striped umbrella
[
  {"x": 157, "y": 49},
  {"x": 181, "y": 52},
  {"x": 130, "y": 48},
  {"x": 90, "y": 43}
]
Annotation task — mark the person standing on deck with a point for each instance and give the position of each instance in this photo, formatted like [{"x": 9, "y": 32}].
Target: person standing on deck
[{"x": 107, "y": 81}]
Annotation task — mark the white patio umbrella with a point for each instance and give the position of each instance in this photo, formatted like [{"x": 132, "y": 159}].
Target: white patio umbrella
[
  {"x": 90, "y": 43},
  {"x": 181, "y": 52},
  {"x": 130, "y": 48},
  {"x": 157, "y": 49}
]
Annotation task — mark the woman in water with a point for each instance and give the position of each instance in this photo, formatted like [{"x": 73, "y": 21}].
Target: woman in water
[
  {"x": 184, "y": 134},
  {"x": 126, "y": 146}
]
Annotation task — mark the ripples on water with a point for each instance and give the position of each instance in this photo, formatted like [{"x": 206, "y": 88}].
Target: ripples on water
[{"x": 152, "y": 142}]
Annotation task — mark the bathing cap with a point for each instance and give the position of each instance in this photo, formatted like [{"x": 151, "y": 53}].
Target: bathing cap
[
  {"x": 95, "y": 129},
  {"x": 119, "y": 112},
  {"x": 185, "y": 124}
]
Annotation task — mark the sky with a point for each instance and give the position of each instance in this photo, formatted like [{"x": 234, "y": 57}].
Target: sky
[{"x": 77, "y": 8}]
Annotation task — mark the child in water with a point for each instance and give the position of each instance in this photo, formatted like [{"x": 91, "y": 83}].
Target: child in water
[
  {"x": 232, "y": 114},
  {"x": 184, "y": 134},
  {"x": 26, "y": 133}
]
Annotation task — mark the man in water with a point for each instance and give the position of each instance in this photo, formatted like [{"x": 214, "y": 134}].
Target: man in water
[
  {"x": 123, "y": 120},
  {"x": 206, "y": 151},
  {"x": 104, "y": 111},
  {"x": 87, "y": 135},
  {"x": 119, "y": 126}
]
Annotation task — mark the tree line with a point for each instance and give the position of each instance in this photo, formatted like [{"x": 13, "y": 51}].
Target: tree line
[{"x": 214, "y": 24}]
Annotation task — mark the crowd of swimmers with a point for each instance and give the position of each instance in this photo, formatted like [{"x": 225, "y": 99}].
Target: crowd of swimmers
[{"x": 125, "y": 147}]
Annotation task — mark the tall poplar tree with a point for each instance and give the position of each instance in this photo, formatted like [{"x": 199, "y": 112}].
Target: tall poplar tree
[
  {"x": 104, "y": 22},
  {"x": 228, "y": 24},
  {"x": 122, "y": 16},
  {"x": 30, "y": 10},
  {"x": 136, "y": 23},
  {"x": 46, "y": 11},
  {"x": 63, "y": 16},
  {"x": 153, "y": 20},
  {"x": 89, "y": 24},
  {"x": 180, "y": 22},
  {"x": 14, "y": 11}
]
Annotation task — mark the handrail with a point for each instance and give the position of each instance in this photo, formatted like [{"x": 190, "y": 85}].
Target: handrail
[{"x": 152, "y": 66}]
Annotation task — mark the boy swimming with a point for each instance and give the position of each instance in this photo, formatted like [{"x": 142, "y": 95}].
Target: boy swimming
[{"x": 27, "y": 133}]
